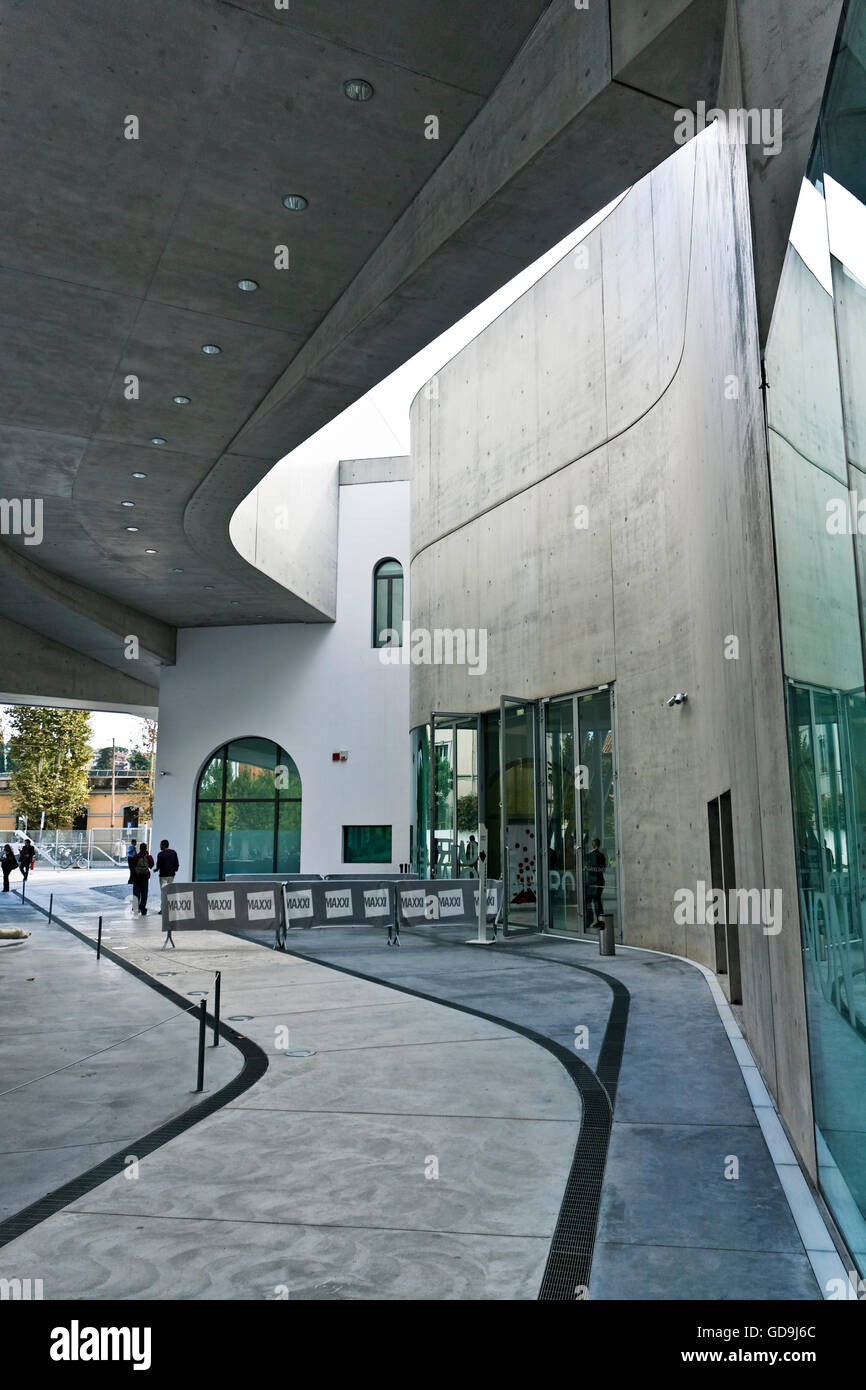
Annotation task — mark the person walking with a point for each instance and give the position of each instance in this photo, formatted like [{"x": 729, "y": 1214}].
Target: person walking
[
  {"x": 596, "y": 863},
  {"x": 167, "y": 865},
  {"x": 8, "y": 862},
  {"x": 26, "y": 857},
  {"x": 139, "y": 876},
  {"x": 131, "y": 852}
]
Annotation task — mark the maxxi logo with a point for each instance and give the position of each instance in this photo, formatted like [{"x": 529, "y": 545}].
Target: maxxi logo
[{"x": 77, "y": 1343}]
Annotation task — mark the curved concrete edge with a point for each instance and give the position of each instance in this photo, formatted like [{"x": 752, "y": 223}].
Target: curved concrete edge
[
  {"x": 823, "y": 1256},
  {"x": 255, "y": 1064}
]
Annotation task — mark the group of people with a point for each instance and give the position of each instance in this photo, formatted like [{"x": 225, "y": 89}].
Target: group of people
[
  {"x": 23, "y": 860},
  {"x": 140, "y": 864}
]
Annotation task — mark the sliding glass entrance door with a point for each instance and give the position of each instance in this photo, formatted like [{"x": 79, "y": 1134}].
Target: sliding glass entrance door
[
  {"x": 518, "y": 776},
  {"x": 454, "y": 791}
]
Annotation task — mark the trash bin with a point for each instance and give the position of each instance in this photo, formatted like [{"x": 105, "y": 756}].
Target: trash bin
[{"x": 606, "y": 943}]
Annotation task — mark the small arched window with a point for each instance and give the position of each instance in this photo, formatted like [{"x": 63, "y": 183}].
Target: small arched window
[{"x": 388, "y": 604}]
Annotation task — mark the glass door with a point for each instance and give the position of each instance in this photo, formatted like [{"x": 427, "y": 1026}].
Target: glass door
[
  {"x": 518, "y": 777},
  {"x": 563, "y": 841},
  {"x": 598, "y": 810},
  {"x": 454, "y": 791}
]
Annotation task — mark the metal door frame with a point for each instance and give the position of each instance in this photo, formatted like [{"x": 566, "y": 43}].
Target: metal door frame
[
  {"x": 447, "y": 716},
  {"x": 533, "y": 706}
]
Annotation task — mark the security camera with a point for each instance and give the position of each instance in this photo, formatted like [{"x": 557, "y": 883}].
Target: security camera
[
  {"x": 163, "y": 774},
  {"x": 678, "y": 699}
]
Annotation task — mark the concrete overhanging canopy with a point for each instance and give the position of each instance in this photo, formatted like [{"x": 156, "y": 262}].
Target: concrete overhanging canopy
[{"x": 121, "y": 256}]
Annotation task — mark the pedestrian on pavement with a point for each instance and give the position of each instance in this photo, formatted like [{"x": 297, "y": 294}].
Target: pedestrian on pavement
[
  {"x": 167, "y": 865},
  {"x": 26, "y": 857},
  {"x": 139, "y": 876},
  {"x": 8, "y": 862},
  {"x": 596, "y": 863}
]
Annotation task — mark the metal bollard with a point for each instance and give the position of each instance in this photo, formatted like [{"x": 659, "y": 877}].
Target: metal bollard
[
  {"x": 202, "y": 1026},
  {"x": 99, "y": 940},
  {"x": 606, "y": 942},
  {"x": 50, "y": 908},
  {"x": 216, "y": 1009}
]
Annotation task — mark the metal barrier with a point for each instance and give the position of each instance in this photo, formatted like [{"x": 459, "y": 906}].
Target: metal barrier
[
  {"x": 216, "y": 906},
  {"x": 239, "y": 903}
]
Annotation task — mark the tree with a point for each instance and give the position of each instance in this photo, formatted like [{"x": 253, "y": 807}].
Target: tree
[
  {"x": 51, "y": 748},
  {"x": 145, "y": 760}
]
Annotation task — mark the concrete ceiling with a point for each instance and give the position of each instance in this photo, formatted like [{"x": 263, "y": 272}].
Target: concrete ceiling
[{"x": 122, "y": 257}]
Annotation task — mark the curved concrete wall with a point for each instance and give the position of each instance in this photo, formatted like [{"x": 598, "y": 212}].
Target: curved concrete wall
[{"x": 628, "y": 382}]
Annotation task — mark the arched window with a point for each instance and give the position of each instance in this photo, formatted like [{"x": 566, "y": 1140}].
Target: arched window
[
  {"x": 247, "y": 811},
  {"x": 388, "y": 604}
]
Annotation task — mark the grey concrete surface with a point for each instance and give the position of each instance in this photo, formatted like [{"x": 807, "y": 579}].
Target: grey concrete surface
[
  {"x": 83, "y": 1070},
  {"x": 546, "y": 112},
  {"x": 671, "y": 1224},
  {"x": 629, "y": 383},
  {"x": 319, "y": 1179}
]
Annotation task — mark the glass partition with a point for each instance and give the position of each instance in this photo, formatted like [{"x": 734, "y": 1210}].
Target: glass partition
[{"x": 816, "y": 367}]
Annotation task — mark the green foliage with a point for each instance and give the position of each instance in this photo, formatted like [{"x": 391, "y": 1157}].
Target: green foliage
[
  {"x": 51, "y": 748},
  {"x": 467, "y": 813}
]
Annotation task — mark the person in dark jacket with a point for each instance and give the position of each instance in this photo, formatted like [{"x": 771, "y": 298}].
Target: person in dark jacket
[
  {"x": 8, "y": 862},
  {"x": 26, "y": 856},
  {"x": 167, "y": 865},
  {"x": 596, "y": 863},
  {"x": 139, "y": 876}
]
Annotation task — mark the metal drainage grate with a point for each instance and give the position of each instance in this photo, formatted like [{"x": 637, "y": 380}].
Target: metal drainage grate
[{"x": 299, "y": 1052}]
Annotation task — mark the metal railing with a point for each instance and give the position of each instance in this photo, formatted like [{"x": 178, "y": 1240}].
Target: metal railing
[{"x": 102, "y": 847}]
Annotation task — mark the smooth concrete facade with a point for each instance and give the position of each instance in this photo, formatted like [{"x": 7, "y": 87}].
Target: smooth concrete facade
[
  {"x": 628, "y": 382},
  {"x": 314, "y": 689}
]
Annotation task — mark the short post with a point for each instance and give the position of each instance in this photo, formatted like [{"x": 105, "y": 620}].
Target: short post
[
  {"x": 50, "y": 907},
  {"x": 216, "y": 1009},
  {"x": 606, "y": 943},
  {"x": 99, "y": 940},
  {"x": 202, "y": 1025}
]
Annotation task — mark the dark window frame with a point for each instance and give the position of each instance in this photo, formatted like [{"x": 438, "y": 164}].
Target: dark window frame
[
  {"x": 380, "y": 626},
  {"x": 282, "y": 758}
]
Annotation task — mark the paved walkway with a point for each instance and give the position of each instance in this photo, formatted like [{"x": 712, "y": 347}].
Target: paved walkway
[
  {"x": 417, "y": 1154},
  {"x": 430, "y": 1152}
]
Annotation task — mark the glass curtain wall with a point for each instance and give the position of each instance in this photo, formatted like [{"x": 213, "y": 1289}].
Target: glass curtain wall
[
  {"x": 248, "y": 812},
  {"x": 816, "y": 415}
]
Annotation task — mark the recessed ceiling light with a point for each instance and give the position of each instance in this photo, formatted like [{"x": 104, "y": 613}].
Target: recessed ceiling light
[
  {"x": 211, "y": 349},
  {"x": 236, "y": 603},
  {"x": 208, "y": 586},
  {"x": 132, "y": 528},
  {"x": 248, "y": 285},
  {"x": 177, "y": 571},
  {"x": 357, "y": 89},
  {"x": 127, "y": 504},
  {"x": 295, "y": 202},
  {"x": 181, "y": 400},
  {"x": 139, "y": 475},
  {"x": 148, "y": 550},
  {"x": 157, "y": 439}
]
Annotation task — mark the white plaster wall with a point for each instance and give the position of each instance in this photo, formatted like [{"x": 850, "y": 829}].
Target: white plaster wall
[{"x": 313, "y": 689}]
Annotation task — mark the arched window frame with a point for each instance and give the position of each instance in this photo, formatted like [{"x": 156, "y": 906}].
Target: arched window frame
[
  {"x": 387, "y": 621},
  {"x": 282, "y": 759}
]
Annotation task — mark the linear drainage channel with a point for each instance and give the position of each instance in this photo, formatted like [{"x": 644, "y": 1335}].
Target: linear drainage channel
[
  {"x": 255, "y": 1064},
  {"x": 566, "y": 1274}
]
